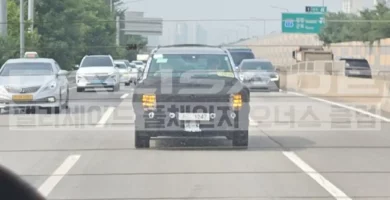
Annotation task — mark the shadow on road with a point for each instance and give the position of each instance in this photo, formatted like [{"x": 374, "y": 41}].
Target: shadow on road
[{"x": 256, "y": 143}]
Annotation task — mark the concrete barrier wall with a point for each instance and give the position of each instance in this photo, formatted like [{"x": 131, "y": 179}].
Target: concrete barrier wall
[
  {"x": 335, "y": 86},
  {"x": 278, "y": 49}
]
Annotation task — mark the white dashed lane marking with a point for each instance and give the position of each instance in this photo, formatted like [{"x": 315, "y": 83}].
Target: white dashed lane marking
[{"x": 57, "y": 175}]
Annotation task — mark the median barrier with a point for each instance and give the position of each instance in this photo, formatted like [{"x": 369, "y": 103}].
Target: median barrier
[{"x": 71, "y": 77}]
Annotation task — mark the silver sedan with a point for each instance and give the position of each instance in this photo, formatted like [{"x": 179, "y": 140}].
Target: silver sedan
[
  {"x": 33, "y": 83},
  {"x": 258, "y": 74}
]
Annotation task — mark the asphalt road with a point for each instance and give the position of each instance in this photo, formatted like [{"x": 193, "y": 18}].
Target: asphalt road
[{"x": 300, "y": 148}]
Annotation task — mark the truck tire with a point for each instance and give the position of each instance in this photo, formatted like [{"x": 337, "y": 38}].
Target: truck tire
[
  {"x": 141, "y": 141},
  {"x": 240, "y": 139}
]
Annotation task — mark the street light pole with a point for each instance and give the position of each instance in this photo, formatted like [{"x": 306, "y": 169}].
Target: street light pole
[
  {"x": 30, "y": 15},
  {"x": 118, "y": 30},
  {"x": 21, "y": 18},
  {"x": 3, "y": 18}
]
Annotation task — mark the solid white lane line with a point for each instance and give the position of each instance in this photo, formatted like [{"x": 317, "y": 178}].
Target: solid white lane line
[
  {"x": 327, "y": 185},
  {"x": 124, "y": 96},
  {"x": 57, "y": 175},
  {"x": 105, "y": 117},
  {"x": 344, "y": 106}
]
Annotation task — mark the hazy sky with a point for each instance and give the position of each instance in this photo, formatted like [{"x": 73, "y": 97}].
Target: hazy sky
[{"x": 220, "y": 31}]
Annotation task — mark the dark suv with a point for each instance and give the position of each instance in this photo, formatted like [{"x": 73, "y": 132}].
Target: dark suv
[
  {"x": 190, "y": 91},
  {"x": 357, "y": 67},
  {"x": 240, "y": 53}
]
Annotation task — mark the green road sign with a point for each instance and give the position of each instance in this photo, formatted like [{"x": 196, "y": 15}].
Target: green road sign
[
  {"x": 316, "y": 9},
  {"x": 302, "y": 22}
]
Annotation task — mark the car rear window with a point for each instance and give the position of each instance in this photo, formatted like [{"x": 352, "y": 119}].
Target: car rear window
[
  {"x": 95, "y": 61},
  {"x": 121, "y": 65},
  {"x": 357, "y": 63},
  {"x": 261, "y": 66},
  {"x": 181, "y": 63}
]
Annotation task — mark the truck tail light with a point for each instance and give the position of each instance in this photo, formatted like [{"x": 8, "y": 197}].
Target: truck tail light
[
  {"x": 149, "y": 101},
  {"x": 236, "y": 100}
]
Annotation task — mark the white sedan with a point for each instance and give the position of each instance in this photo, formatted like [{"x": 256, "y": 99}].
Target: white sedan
[{"x": 128, "y": 72}]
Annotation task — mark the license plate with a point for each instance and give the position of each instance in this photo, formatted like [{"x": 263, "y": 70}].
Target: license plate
[
  {"x": 191, "y": 126},
  {"x": 97, "y": 81},
  {"x": 354, "y": 72},
  {"x": 194, "y": 116},
  {"x": 22, "y": 97},
  {"x": 258, "y": 83}
]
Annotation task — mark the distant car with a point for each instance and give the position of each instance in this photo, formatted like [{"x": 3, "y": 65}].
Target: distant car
[
  {"x": 176, "y": 96},
  {"x": 139, "y": 64},
  {"x": 33, "y": 83},
  {"x": 128, "y": 72},
  {"x": 139, "y": 73},
  {"x": 357, "y": 67},
  {"x": 240, "y": 53},
  {"x": 97, "y": 71},
  {"x": 259, "y": 74}
]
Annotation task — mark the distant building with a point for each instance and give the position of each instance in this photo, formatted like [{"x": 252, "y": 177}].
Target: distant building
[
  {"x": 200, "y": 35},
  {"x": 181, "y": 33},
  {"x": 387, "y": 2},
  {"x": 352, "y": 6},
  {"x": 153, "y": 41},
  {"x": 133, "y": 14}
]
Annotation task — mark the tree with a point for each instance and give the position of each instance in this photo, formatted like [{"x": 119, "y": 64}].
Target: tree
[
  {"x": 64, "y": 30},
  {"x": 368, "y": 26},
  {"x": 9, "y": 46}
]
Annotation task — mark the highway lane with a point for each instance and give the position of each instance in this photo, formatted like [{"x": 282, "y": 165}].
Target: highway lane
[
  {"x": 351, "y": 155},
  {"x": 24, "y": 135}
]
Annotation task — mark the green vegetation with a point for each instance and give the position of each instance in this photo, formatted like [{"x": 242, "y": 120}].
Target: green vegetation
[
  {"x": 367, "y": 26},
  {"x": 68, "y": 30}
]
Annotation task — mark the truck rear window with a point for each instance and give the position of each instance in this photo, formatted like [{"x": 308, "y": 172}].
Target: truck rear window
[{"x": 239, "y": 56}]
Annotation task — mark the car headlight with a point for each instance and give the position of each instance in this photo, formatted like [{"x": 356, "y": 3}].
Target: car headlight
[
  {"x": 79, "y": 76},
  {"x": 3, "y": 90},
  {"x": 275, "y": 78},
  {"x": 242, "y": 77}
]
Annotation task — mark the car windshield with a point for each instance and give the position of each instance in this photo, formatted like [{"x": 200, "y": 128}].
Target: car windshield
[
  {"x": 182, "y": 63},
  {"x": 127, "y": 63},
  {"x": 121, "y": 65},
  {"x": 357, "y": 63},
  {"x": 254, "y": 65},
  {"x": 27, "y": 69},
  {"x": 239, "y": 56},
  {"x": 95, "y": 61}
]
